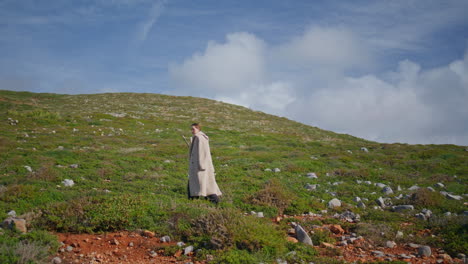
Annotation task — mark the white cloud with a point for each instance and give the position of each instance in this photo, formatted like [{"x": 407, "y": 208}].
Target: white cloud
[
  {"x": 336, "y": 48},
  {"x": 306, "y": 79}
]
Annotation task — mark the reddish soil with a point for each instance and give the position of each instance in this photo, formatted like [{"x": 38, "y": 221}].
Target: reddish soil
[{"x": 117, "y": 248}]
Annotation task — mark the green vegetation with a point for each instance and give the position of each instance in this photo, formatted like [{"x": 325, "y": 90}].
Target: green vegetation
[{"x": 132, "y": 174}]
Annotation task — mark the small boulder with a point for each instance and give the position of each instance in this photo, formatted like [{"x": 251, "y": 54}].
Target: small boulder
[
  {"x": 312, "y": 175},
  {"x": 399, "y": 208},
  {"x": 337, "y": 229},
  {"x": 13, "y": 222},
  {"x": 424, "y": 251},
  {"x": 387, "y": 190},
  {"x": 165, "y": 239},
  {"x": 68, "y": 183},
  {"x": 380, "y": 185},
  {"x": 188, "y": 250},
  {"x": 380, "y": 201},
  {"x": 12, "y": 213},
  {"x": 277, "y": 170},
  {"x": 439, "y": 185},
  {"x": 302, "y": 235},
  {"x": 333, "y": 203},
  {"x": 364, "y": 149},
  {"x": 56, "y": 260},
  {"x": 361, "y": 204},
  {"x": 74, "y": 166},
  {"x": 453, "y": 197},
  {"x": 390, "y": 244},
  {"x": 413, "y": 188},
  {"x": 311, "y": 187}
]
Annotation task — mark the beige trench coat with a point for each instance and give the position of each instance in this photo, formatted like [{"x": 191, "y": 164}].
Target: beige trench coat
[{"x": 201, "y": 171}]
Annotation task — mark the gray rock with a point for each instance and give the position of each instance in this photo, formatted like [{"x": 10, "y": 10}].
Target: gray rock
[
  {"x": 302, "y": 235},
  {"x": 357, "y": 199},
  {"x": 188, "y": 250},
  {"x": 430, "y": 189},
  {"x": 130, "y": 244},
  {"x": 461, "y": 256},
  {"x": 28, "y": 168},
  {"x": 398, "y": 188},
  {"x": 364, "y": 149},
  {"x": 165, "y": 239},
  {"x": 311, "y": 187},
  {"x": 399, "y": 208},
  {"x": 439, "y": 185},
  {"x": 413, "y": 245},
  {"x": 69, "y": 249},
  {"x": 453, "y": 197},
  {"x": 74, "y": 166},
  {"x": 312, "y": 175},
  {"x": 368, "y": 182},
  {"x": 378, "y": 254},
  {"x": 15, "y": 223},
  {"x": 424, "y": 251},
  {"x": 333, "y": 203},
  {"x": 421, "y": 216},
  {"x": 180, "y": 244},
  {"x": 349, "y": 216},
  {"x": 390, "y": 244},
  {"x": 380, "y": 185},
  {"x": 361, "y": 205},
  {"x": 447, "y": 213},
  {"x": 260, "y": 214},
  {"x": 277, "y": 170},
  {"x": 387, "y": 190},
  {"x": 399, "y": 234},
  {"x": 56, "y": 260},
  {"x": 68, "y": 183},
  {"x": 413, "y": 188},
  {"x": 380, "y": 201},
  {"x": 12, "y": 213},
  {"x": 426, "y": 212}
]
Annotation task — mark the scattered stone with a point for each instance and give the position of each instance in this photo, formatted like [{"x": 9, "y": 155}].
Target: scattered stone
[
  {"x": 380, "y": 185},
  {"x": 361, "y": 205},
  {"x": 380, "y": 201},
  {"x": 430, "y": 189},
  {"x": 60, "y": 148},
  {"x": 292, "y": 239},
  {"x": 153, "y": 254},
  {"x": 69, "y": 249},
  {"x": 180, "y": 244},
  {"x": 311, "y": 187},
  {"x": 399, "y": 208},
  {"x": 413, "y": 188},
  {"x": 413, "y": 245},
  {"x": 12, "y": 122},
  {"x": 28, "y": 168},
  {"x": 453, "y": 197},
  {"x": 130, "y": 244},
  {"x": 399, "y": 188},
  {"x": 421, "y": 216},
  {"x": 74, "y": 166},
  {"x": 165, "y": 239},
  {"x": 260, "y": 214},
  {"x": 68, "y": 183},
  {"x": 426, "y": 212},
  {"x": 56, "y": 260},
  {"x": 447, "y": 213},
  {"x": 268, "y": 169},
  {"x": 114, "y": 242},
  {"x": 12, "y": 213},
  {"x": 349, "y": 216},
  {"x": 188, "y": 250},
  {"x": 424, "y": 251},
  {"x": 364, "y": 149},
  {"x": 15, "y": 223},
  {"x": 312, "y": 175},
  {"x": 378, "y": 254},
  {"x": 302, "y": 235},
  {"x": 390, "y": 244},
  {"x": 387, "y": 190},
  {"x": 277, "y": 170},
  {"x": 368, "y": 182},
  {"x": 357, "y": 199},
  {"x": 439, "y": 185},
  {"x": 333, "y": 203},
  {"x": 445, "y": 258}
]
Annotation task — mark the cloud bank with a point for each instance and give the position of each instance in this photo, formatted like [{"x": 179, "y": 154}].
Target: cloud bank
[{"x": 324, "y": 78}]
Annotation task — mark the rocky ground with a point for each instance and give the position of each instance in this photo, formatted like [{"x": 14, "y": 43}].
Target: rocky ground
[{"x": 146, "y": 247}]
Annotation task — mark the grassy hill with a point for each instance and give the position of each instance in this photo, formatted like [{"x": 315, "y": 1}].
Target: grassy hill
[{"x": 128, "y": 161}]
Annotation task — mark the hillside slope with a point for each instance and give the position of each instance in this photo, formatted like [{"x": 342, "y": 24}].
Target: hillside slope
[{"x": 128, "y": 161}]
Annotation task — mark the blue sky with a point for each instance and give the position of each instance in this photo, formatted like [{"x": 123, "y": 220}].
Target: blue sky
[{"x": 390, "y": 71}]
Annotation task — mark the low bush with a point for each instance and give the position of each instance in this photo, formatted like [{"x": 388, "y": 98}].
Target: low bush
[{"x": 273, "y": 194}]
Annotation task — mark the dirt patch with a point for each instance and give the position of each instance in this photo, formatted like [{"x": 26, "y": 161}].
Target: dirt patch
[{"x": 121, "y": 247}]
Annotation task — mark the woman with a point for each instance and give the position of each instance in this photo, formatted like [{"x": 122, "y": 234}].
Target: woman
[{"x": 202, "y": 181}]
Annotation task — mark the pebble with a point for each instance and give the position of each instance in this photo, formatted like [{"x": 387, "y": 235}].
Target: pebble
[
  {"x": 56, "y": 260},
  {"x": 165, "y": 239},
  {"x": 424, "y": 251},
  {"x": 333, "y": 203},
  {"x": 312, "y": 175},
  {"x": 188, "y": 250},
  {"x": 390, "y": 244},
  {"x": 277, "y": 170}
]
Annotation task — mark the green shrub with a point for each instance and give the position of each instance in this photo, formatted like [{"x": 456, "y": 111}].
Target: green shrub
[
  {"x": 236, "y": 256},
  {"x": 319, "y": 236},
  {"x": 273, "y": 194}
]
